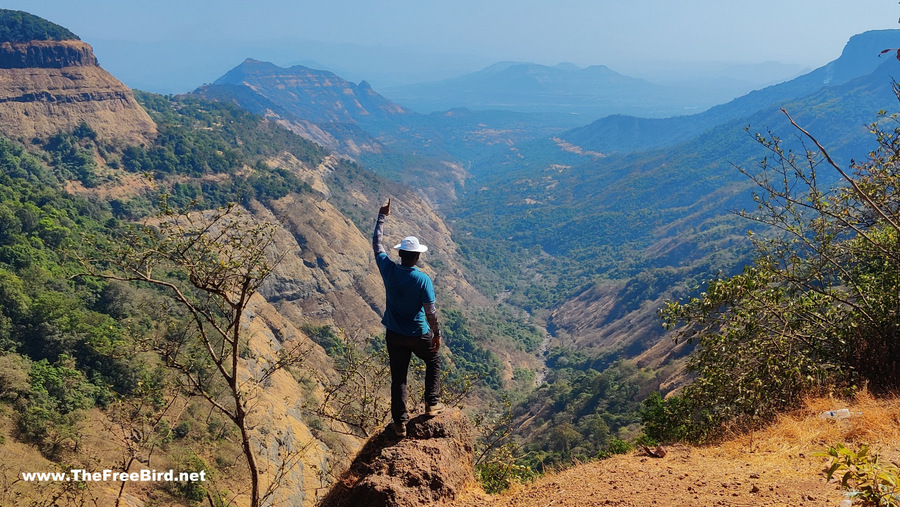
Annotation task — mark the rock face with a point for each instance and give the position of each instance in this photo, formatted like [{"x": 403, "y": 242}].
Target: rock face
[
  {"x": 48, "y": 86},
  {"x": 430, "y": 466},
  {"x": 46, "y": 55}
]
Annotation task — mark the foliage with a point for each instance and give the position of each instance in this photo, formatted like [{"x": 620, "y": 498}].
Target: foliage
[
  {"x": 72, "y": 155},
  {"x": 817, "y": 310},
  {"x": 192, "y": 491},
  {"x": 20, "y": 26},
  {"x": 77, "y": 352},
  {"x": 498, "y": 460},
  {"x": 581, "y": 413},
  {"x": 667, "y": 420},
  {"x": 498, "y": 475},
  {"x": 872, "y": 481},
  {"x": 616, "y": 446},
  {"x": 358, "y": 396},
  {"x": 211, "y": 264},
  {"x": 468, "y": 355},
  {"x": 59, "y": 393},
  {"x": 205, "y": 139}
]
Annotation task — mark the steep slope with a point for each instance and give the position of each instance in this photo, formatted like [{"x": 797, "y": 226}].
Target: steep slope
[
  {"x": 352, "y": 120},
  {"x": 52, "y": 85},
  {"x": 205, "y": 153},
  {"x": 860, "y": 57}
]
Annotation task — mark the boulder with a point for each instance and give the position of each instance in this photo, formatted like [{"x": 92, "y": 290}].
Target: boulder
[{"x": 430, "y": 466}]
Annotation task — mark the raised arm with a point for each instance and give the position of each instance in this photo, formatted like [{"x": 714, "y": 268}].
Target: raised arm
[{"x": 383, "y": 212}]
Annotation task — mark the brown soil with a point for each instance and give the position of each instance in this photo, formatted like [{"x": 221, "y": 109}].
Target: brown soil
[{"x": 773, "y": 467}]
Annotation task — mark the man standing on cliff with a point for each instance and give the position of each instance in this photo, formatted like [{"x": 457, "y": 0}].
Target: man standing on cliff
[{"x": 410, "y": 320}]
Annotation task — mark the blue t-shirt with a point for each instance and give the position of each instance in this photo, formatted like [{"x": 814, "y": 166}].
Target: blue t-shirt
[{"x": 406, "y": 290}]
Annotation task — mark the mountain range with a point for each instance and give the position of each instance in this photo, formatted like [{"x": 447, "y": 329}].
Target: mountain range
[
  {"x": 588, "y": 93},
  {"x": 552, "y": 248},
  {"x": 860, "y": 57}
]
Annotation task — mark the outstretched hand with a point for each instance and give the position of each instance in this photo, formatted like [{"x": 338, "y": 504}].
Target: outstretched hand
[{"x": 386, "y": 209}]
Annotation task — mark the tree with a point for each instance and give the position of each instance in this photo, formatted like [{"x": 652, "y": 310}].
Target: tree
[
  {"x": 211, "y": 263},
  {"x": 820, "y": 307}
]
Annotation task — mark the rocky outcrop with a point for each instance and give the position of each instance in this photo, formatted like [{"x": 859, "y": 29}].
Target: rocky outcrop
[
  {"x": 46, "y": 55},
  {"x": 430, "y": 466},
  {"x": 49, "y": 86}
]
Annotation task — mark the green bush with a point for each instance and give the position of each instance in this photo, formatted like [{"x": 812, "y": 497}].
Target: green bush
[
  {"x": 868, "y": 479},
  {"x": 496, "y": 477}
]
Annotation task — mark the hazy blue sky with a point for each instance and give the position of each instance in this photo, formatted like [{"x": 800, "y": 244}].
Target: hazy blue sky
[{"x": 617, "y": 33}]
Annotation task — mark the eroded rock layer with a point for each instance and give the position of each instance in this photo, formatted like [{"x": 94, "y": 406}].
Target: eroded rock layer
[{"x": 49, "y": 86}]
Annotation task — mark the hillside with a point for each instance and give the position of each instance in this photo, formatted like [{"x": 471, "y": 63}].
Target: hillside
[
  {"x": 777, "y": 466},
  {"x": 620, "y": 229},
  {"x": 550, "y": 261},
  {"x": 82, "y": 386},
  {"x": 426, "y": 152},
  {"x": 590, "y": 243},
  {"x": 51, "y": 81},
  {"x": 315, "y": 104}
]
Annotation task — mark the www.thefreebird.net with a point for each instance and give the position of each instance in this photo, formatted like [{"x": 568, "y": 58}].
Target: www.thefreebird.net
[{"x": 144, "y": 475}]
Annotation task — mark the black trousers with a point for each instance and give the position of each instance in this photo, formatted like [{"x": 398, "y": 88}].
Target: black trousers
[{"x": 400, "y": 350}]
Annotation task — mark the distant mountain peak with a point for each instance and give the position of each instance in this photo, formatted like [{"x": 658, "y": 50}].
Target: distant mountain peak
[
  {"x": 567, "y": 66},
  {"x": 861, "y": 55},
  {"x": 318, "y": 96}
]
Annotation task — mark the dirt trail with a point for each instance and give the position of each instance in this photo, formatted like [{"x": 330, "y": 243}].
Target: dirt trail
[
  {"x": 773, "y": 467},
  {"x": 684, "y": 477}
]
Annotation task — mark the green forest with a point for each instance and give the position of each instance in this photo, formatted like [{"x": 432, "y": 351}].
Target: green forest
[
  {"x": 772, "y": 256},
  {"x": 19, "y": 26}
]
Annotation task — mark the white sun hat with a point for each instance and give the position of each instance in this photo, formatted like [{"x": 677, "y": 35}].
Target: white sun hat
[{"x": 411, "y": 244}]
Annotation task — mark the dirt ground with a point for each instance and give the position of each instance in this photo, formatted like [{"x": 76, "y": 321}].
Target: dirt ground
[
  {"x": 773, "y": 467},
  {"x": 685, "y": 476}
]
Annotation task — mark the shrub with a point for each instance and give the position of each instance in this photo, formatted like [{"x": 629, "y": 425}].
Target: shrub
[
  {"x": 817, "y": 309},
  {"x": 872, "y": 481}
]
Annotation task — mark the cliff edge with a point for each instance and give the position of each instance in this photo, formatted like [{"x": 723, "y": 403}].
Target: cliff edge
[{"x": 47, "y": 86}]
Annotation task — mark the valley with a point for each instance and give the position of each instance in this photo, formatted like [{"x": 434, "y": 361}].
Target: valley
[{"x": 560, "y": 227}]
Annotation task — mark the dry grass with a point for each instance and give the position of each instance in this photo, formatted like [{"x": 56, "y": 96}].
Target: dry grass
[
  {"x": 777, "y": 466},
  {"x": 874, "y": 421}
]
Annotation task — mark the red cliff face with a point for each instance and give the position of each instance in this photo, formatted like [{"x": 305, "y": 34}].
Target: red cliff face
[{"x": 48, "y": 86}]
